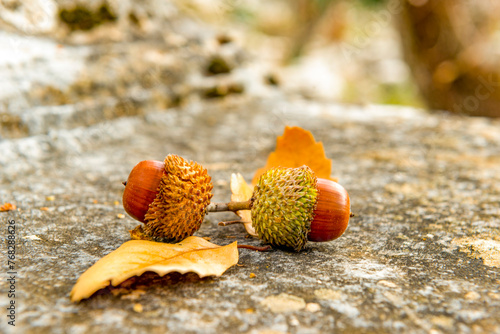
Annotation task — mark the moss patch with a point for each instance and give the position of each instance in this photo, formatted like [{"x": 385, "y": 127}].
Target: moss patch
[{"x": 82, "y": 18}]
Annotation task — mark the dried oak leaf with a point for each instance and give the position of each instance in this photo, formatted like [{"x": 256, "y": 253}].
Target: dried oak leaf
[
  {"x": 7, "y": 207},
  {"x": 242, "y": 192},
  {"x": 296, "y": 148},
  {"x": 136, "y": 257}
]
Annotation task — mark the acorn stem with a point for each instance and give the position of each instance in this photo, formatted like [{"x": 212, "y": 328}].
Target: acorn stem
[{"x": 231, "y": 206}]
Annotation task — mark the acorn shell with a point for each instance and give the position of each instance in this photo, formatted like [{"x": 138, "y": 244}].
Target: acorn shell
[
  {"x": 332, "y": 213},
  {"x": 141, "y": 187}
]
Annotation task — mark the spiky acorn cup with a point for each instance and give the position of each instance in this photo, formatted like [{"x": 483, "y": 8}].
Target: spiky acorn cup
[
  {"x": 290, "y": 206},
  {"x": 283, "y": 204},
  {"x": 171, "y": 201}
]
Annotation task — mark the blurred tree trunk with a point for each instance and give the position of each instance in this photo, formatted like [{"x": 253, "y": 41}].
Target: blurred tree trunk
[
  {"x": 309, "y": 15},
  {"x": 447, "y": 44}
]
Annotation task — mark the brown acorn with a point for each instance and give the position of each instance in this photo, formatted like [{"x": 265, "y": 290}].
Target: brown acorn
[
  {"x": 332, "y": 213},
  {"x": 169, "y": 197},
  {"x": 141, "y": 188}
]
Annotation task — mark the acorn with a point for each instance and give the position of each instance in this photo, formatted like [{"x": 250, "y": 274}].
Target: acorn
[
  {"x": 169, "y": 197},
  {"x": 290, "y": 206}
]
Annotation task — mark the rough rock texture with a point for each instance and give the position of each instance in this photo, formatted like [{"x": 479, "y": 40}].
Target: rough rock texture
[
  {"x": 425, "y": 189},
  {"x": 422, "y": 254}
]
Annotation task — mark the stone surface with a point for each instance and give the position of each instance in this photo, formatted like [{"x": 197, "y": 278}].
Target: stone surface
[
  {"x": 79, "y": 109},
  {"x": 420, "y": 184}
]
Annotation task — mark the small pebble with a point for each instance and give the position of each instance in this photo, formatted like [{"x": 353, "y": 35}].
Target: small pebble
[
  {"x": 313, "y": 307},
  {"x": 294, "y": 322},
  {"x": 284, "y": 303},
  {"x": 387, "y": 284},
  {"x": 138, "y": 308},
  {"x": 494, "y": 295},
  {"x": 472, "y": 295},
  {"x": 327, "y": 294},
  {"x": 31, "y": 237}
]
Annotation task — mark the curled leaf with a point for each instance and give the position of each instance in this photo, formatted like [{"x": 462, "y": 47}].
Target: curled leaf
[
  {"x": 242, "y": 192},
  {"x": 296, "y": 148},
  {"x": 136, "y": 257}
]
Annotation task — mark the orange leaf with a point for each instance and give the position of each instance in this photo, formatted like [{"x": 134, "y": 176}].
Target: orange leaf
[
  {"x": 296, "y": 148},
  {"x": 135, "y": 257},
  {"x": 7, "y": 207}
]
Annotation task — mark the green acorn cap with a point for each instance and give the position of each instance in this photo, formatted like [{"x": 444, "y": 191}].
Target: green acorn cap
[
  {"x": 283, "y": 205},
  {"x": 183, "y": 194}
]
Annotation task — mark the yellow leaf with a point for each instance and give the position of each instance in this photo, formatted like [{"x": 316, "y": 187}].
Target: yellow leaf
[
  {"x": 136, "y": 257},
  {"x": 296, "y": 148},
  {"x": 242, "y": 192}
]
